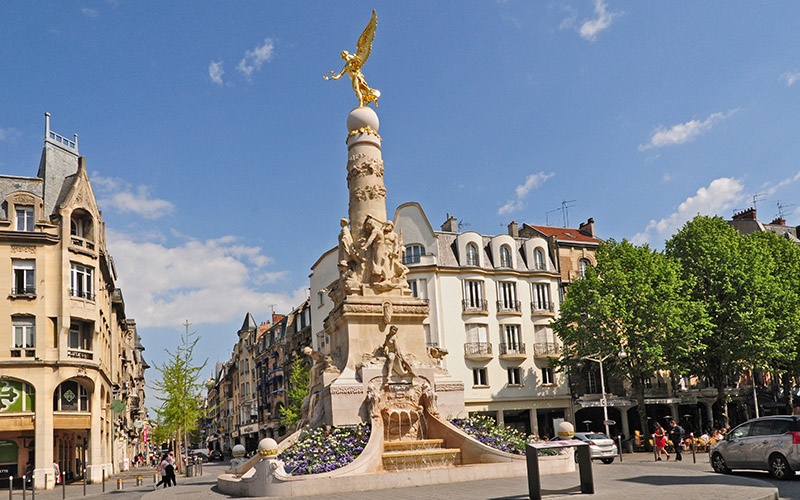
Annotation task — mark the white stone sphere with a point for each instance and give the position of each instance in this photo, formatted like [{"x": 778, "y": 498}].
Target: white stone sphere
[
  {"x": 267, "y": 447},
  {"x": 239, "y": 450},
  {"x": 566, "y": 430},
  {"x": 362, "y": 116}
]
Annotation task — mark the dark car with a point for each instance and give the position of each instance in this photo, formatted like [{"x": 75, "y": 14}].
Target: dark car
[
  {"x": 216, "y": 456},
  {"x": 200, "y": 453},
  {"x": 767, "y": 443}
]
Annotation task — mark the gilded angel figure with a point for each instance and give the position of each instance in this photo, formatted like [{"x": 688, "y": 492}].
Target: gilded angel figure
[{"x": 354, "y": 62}]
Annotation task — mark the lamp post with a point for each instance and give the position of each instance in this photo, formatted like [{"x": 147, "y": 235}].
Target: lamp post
[{"x": 603, "y": 402}]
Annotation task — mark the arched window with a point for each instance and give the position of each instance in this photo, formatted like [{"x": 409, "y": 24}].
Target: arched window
[
  {"x": 472, "y": 255},
  {"x": 80, "y": 225},
  {"x": 538, "y": 259},
  {"x": 505, "y": 256},
  {"x": 71, "y": 396},
  {"x": 582, "y": 265},
  {"x": 413, "y": 254}
]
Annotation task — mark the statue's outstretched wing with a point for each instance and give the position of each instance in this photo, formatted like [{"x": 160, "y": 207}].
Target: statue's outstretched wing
[{"x": 364, "y": 45}]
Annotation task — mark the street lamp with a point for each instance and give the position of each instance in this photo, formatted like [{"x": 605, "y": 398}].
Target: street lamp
[{"x": 603, "y": 402}]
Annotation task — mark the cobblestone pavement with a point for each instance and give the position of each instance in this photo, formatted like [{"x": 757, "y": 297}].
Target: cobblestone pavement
[{"x": 638, "y": 476}]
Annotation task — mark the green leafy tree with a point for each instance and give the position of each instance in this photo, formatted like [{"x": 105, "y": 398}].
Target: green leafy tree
[
  {"x": 634, "y": 299},
  {"x": 299, "y": 377},
  {"x": 731, "y": 276},
  {"x": 782, "y": 260},
  {"x": 182, "y": 402}
]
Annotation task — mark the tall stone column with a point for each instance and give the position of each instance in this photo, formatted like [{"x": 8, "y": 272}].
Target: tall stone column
[
  {"x": 364, "y": 169},
  {"x": 96, "y": 456},
  {"x": 43, "y": 474}
]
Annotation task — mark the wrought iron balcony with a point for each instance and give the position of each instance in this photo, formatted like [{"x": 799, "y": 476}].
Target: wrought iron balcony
[
  {"x": 480, "y": 306},
  {"x": 546, "y": 349},
  {"x": 81, "y": 294},
  {"x": 513, "y": 351},
  {"x": 509, "y": 306},
  {"x": 478, "y": 350},
  {"x": 80, "y": 354},
  {"x": 24, "y": 290},
  {"x": 543, "y": 308}
]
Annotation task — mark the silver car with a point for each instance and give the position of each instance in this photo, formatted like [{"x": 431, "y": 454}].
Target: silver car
[
  {"x": 600, "y": 446},
  {"x": 767, "y": 443}
]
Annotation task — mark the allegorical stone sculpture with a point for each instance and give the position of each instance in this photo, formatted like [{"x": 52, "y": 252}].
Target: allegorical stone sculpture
[{"x": 354, "y": 62}]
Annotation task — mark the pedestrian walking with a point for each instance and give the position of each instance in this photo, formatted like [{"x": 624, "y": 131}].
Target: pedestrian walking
[
  {"x": 162, "y": 469},
  {"x": 660, "y": 441},
  {"x": 171, "y": 468},
  {"x": 676, "y": 436}
]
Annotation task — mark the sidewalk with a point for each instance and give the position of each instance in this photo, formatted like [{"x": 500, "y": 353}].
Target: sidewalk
[
  {"x": 75, "y": 490},
  {"x": 638, "y": 476}
]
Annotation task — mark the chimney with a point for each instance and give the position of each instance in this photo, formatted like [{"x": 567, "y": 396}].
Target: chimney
[
  {"x": 513, "y": 229},
  {"x": 450, "y": 225},
  {"x": 749, "y": 214},
  {"x": 587, "y": 227},
  {"x": 780, "y": 221}
]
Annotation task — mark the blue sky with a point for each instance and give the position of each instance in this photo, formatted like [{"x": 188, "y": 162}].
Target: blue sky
[{"x": 217, "y": 152}]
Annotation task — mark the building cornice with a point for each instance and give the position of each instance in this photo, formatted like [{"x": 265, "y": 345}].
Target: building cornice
[{"x": 29, "y": 238}]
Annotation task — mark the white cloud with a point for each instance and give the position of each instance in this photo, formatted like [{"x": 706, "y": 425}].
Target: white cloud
[
  {"x": 683, "y": 132},
  {"x": 791, "y": 77},
  {"x": 120, "y": 196},
  {"x": 592, "y": 27},
  {"x": 209, "y": 281},
  {"x": 91, "y": 13},
  {"x": 9, "y": 134},
  {"x": 784, "y": 182},
  {"x": 721, "y": 195},
  {"x": 215, "y": 72},
  {"x": 533, "y": 181},
  {"x": 254, "y": 59}
]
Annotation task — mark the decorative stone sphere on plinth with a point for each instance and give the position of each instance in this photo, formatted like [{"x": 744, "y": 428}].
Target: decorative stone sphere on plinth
[
  {"x": 268, "y": 447},
  {"x": 566, "y": 430},
  {"x": 238, "y": 453},
  {"x": 362, "y": 117}
]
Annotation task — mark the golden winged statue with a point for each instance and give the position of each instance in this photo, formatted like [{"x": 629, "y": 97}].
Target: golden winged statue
[{"x": 354, "y": 62}]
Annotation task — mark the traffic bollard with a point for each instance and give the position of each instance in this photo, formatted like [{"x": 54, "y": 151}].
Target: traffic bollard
[
  {"x": 619, "y": 440},
  {"x": 10, "y": 487},
  {"x": 694, "y": 448},
  {"x": 63, "y": 486},
  {"x": 33, "y": 486},
  {"x": 655, "y": 448},
  {"x": 84, "y": 481},
  {"x": 138, "y": 480},
  {"x": 24, "y": 487},
  {"x": 155, "y": 478},
  {"x": 104, "y": 479},
  {"x": 120, "y": 484}
]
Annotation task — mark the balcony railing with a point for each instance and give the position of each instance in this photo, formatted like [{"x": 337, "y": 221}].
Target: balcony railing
[
  {"x": 81, "y": 242},
  {"x": 24, "y": 290},
  {"x": 81, "y": 294},
  {"x": 546, "y": 349},
  {"x": 543, "y": 307},
  {"x": 80, "y": 354},
  {"x": 475, "y": 305},
  {"x": 515, "y": 348},
  {"x": 477, "y": 348},
  {"x": 504, "y": 306}
]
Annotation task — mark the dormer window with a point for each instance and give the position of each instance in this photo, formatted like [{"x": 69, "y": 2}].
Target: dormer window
[
  {"x": 538, "y": 260},
  {"x": 472, "y": 255},
  {"x": 505, "y": 256},
  {"x": 24, "y": 218},
  {"x": 413, "y": 254}
]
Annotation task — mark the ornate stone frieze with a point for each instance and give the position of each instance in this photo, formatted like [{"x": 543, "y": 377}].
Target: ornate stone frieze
[
  {"x": 24, "y": 198},
  {"x": 378, "y": 310},
  {"x": 347, "y": 389},
  {"x": 449, "y": 386},
  {"x": 369, "y": 192},
  {"x": 370, "y": 166},
  {"x": 22, "y": 249},
  {"x": 364, "y": 130}
]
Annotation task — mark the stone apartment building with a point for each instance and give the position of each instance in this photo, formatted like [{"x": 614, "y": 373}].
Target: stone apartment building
[{"x": 70, "y": 349}]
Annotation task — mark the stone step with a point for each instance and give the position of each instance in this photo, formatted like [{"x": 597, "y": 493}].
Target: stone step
[
  {"x": 421, "y": 444},
  {"x": 432, "y": 458}
]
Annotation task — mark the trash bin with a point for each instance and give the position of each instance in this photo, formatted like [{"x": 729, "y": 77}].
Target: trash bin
[{"x": 189, "y": 470}]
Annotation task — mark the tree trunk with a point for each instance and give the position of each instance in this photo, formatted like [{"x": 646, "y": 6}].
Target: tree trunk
[
  {"x": 638, "y": 392},
  {"x": 722, "y": 403},
  {"x": 788, "y": 389}
]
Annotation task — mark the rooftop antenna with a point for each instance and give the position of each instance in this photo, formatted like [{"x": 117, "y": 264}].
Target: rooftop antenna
[
  {"x": 782, "y": 209},
  {"x": 463, "y": 224},
  {"x": 756, "y": 198},
  {"x": 272, "y": 311},
  {"x": 547, "y": 214},
  {"x": 565, "y": 205}
]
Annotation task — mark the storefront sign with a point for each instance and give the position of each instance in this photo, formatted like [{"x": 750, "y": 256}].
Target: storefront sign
[{"x": 249, "y": 429}]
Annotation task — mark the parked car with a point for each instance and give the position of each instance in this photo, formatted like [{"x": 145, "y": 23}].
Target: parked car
[
  {"x": 769, "y": 443},
  {"x": 203, "y": 453},
  {"x": 216, "y": 456},
  {"x": 601, "y": 447}
]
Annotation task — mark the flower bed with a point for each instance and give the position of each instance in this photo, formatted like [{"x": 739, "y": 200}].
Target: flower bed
[
  {"x": 486, "y": 430},
  {"x": 321, "y": 450}
]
